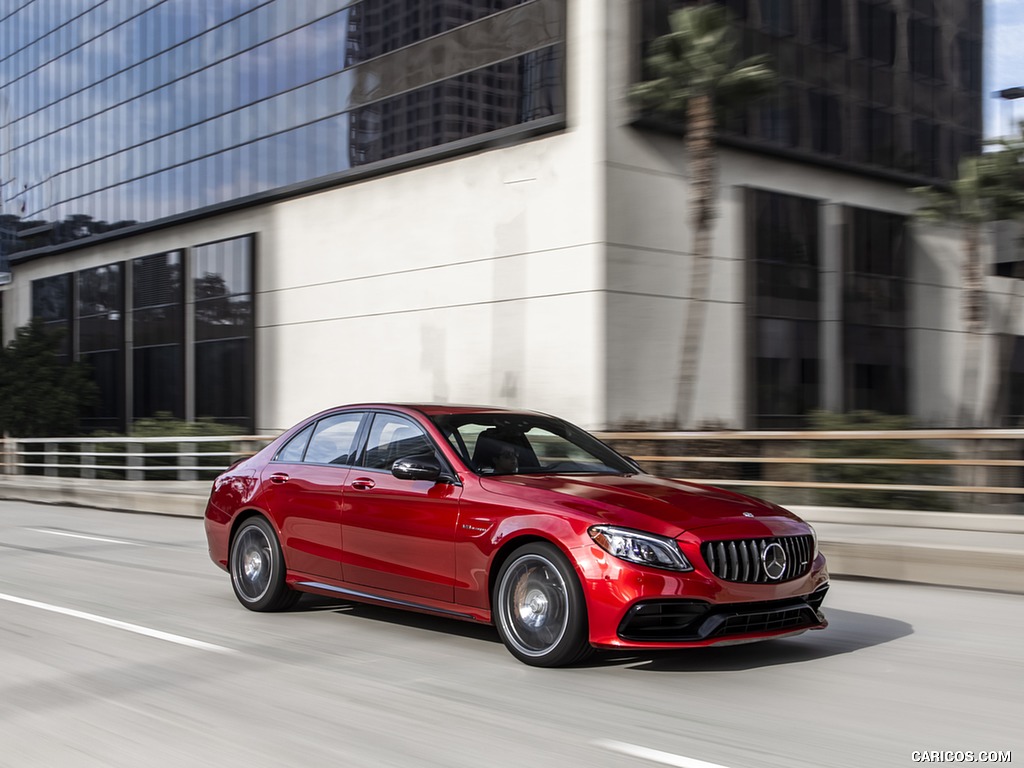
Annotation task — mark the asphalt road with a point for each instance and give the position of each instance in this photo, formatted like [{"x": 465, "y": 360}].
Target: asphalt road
[{"x": 121, "y": 644}]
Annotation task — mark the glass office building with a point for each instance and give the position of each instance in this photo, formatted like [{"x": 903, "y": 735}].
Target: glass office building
[
  {"x": 884, "y": 89},
  {"x": 126, "y": 115}
]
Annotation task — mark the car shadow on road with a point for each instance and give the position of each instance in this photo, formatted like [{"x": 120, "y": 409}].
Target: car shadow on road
[
  {"x": 848, "y": 631},
  {"x": 454, "y": 627}
]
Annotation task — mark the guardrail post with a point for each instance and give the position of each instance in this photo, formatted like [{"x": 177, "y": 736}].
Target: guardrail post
[
  {"x": 136, "y": 458},
  {"x": 83, "y": 458},
  {"x": 50, "y": 469},
  {"x": 189, "y": 457}
]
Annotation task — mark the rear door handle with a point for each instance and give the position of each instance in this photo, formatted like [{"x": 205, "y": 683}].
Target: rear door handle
[
  {"x": 363, "y": 483},
  {"x": 279, "y": 477}
]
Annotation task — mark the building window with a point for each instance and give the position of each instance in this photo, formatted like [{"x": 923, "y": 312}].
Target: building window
[
  {"x": 158, "y": 364},
  {"x": 1015, "y": 406},
  {"x": 777, "y": 16},
  {"x": 223, "y": 321},
  {"x": 827, "y": 24},
  {"x": 923, "y": 45},
  {"x": 875, "y": 311},
  {"x": 877, "y": 26},
  {"x": 51, "y": 303},
  {"x": 785, "y": 307},
  {"x": 100, "y": 322},
  {"x": 780, "y": 117}
]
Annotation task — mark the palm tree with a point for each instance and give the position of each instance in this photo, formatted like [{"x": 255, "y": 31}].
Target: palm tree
[
  {"x": 694, "y": 72},
  {"x": 990, "y": 187}
]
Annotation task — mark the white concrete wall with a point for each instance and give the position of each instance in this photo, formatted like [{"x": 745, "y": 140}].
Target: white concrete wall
[{"x": 473, "y": 280}]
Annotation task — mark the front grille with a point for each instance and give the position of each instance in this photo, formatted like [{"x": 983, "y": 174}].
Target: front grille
[{"x": 744, "y": 560}]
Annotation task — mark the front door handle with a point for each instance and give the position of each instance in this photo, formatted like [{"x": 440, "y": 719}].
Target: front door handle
[
  {"x": 279, "y": 477},
  {"x": 363, "y": 483}
]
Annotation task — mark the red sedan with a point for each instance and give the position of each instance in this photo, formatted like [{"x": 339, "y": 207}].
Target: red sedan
[{"x": 513, "y": 518}]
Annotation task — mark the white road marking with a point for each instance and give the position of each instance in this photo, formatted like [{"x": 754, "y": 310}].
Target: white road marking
[
  {"x": 139, "y": 630},
  {"x": 84, "y": 536},
  {"x": 654, "y": 755}
]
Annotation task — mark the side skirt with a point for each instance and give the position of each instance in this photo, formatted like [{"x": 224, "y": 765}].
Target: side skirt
[{"x": 386, "y": 601}]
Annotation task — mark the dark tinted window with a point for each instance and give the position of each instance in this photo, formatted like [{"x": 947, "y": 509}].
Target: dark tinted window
[
  {"x": 51, "y": 303},
  {"x": 222, "y": 309},
  {"x": 785, "y": 307},
  {"x": 875, "y": 311},
  {"x": 333, "y": 442},
  {"x": 101, "y": 342},
  {"x": 394, "y": 437},
  {"x": 296, "y": 447},
  {"x": 158, "y": 325},
  {"x": 1015, "y": 385}
]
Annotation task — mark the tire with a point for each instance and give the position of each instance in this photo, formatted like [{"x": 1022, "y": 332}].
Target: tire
[
  {"x": 538, "y": 607},
  {"x": 257, "y": 568}
]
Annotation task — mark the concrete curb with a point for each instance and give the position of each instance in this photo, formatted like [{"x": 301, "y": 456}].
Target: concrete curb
[{"x": 124, "y": 496}]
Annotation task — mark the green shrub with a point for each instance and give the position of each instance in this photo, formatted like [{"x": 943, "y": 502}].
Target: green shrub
[{"x": 877, "y": 473}]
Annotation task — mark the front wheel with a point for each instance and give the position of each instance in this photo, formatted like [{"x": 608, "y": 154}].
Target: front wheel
[
  {"x": 539, "y": 609},
  {"x": 257, "y": 568}
]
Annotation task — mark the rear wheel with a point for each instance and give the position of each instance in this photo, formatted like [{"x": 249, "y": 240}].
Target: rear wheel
[
  {"x": 257, "y": 568},
  {"x": 539, "y": 609}
]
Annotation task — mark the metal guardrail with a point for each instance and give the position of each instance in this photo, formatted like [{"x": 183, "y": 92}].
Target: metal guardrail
[
  {"x": 126, "y": 458},
  {"x": 946, "y": 469},
  {"x": 969, "y": 464}
]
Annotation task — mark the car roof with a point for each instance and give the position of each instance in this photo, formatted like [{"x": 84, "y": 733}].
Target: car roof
[{"x": 437, "y": 409}]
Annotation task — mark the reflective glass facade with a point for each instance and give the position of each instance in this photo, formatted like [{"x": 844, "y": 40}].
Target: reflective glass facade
[
  {"x": 784, "y": 301},
  {"x": 168, "y": 334},
  {"x": 127, "y": 112},
  {"x": 875, "y": 311},
  {"x": 891, "y": 87}
]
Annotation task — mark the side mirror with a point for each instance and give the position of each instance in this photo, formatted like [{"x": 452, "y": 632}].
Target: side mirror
[{"x": 416, "y": 468}]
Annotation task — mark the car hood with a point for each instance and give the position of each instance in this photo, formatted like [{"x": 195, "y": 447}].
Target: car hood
[{"x": 657, "y": 504}]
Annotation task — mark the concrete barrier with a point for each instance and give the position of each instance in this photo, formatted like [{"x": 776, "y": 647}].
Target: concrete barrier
[{"x": 975, "y": 551}]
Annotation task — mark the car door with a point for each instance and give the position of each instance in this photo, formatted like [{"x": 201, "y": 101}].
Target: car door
[
  {"x": 305, "y": 491},
  {"x": 399, "y": 535}
]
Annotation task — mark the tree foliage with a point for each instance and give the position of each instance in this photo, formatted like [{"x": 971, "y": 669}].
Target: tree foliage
[
  {"x": 698, "y": 56},
  {"x": 40, "y": 395},
  {"x": 989, "y": 187},
  {"x": 885, "y": 474}
]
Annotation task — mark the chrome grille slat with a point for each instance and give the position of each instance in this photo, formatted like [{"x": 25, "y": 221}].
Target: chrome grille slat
[{"x": 742, "y": 560}]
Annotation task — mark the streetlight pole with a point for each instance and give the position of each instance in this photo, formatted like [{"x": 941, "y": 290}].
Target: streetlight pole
[{"x": 1009, "y": 95}]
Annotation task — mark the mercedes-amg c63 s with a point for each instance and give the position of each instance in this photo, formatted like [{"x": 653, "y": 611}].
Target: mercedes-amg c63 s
[{"x": 513, "y": 518}]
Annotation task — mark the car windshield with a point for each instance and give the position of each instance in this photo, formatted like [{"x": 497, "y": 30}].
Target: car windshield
[{"x": 510, "y": 443}]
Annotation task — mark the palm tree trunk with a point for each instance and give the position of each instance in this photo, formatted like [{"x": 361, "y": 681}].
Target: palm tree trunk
[
  {"x": 974, "y": 320},
  {"x": 700, "y": 146}
]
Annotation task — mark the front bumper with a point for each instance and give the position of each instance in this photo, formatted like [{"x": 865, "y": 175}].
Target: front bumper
[
  {"x": 695, "y": 622},
  {"x": 631, "y": 606}
]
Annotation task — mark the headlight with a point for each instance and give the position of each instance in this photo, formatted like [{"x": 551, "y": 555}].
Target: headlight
[
  {"x": 640, "y": 548},
  {"x": 814, "y": 534}
]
